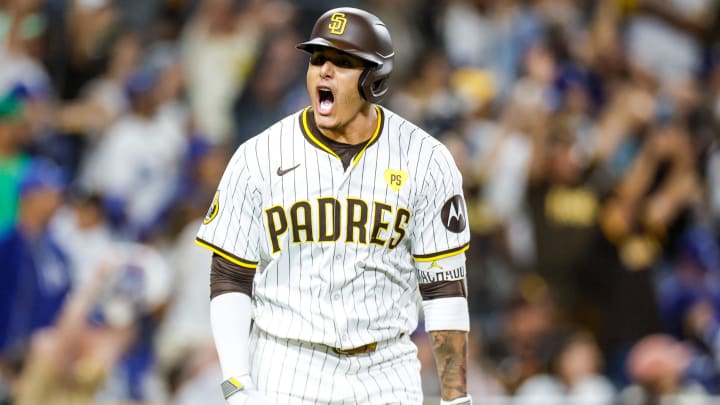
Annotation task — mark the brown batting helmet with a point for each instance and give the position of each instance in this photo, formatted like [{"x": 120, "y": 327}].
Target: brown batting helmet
[{"x": 360, "y": 34}]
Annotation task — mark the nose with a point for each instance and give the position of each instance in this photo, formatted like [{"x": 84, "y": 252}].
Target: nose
[{"x": 327, "y": 69}]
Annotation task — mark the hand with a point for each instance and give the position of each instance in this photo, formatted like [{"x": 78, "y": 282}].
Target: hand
[{"x": 659, "y": 211}]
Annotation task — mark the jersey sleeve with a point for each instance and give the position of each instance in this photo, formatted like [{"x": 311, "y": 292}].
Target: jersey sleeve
[
  {"x": 231, "y": 227},
  {"x": 441, "y": 223}
]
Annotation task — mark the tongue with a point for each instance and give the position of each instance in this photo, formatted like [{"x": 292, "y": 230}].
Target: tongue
[{"x": 325, "y": 107}]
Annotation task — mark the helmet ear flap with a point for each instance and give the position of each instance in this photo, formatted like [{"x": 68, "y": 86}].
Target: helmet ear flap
[
  {"x": 373, "y": 85},
  {"x": 361, "y": 83},
  {"x": 380, "y": 87}
]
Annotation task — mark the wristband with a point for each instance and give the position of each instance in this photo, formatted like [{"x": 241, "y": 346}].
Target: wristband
[
  {"x": 232, "y": 386},
  {"x": 466, "y": 400}
]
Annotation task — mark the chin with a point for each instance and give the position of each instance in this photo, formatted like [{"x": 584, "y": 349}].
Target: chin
[{"x": 325, "y": 121}]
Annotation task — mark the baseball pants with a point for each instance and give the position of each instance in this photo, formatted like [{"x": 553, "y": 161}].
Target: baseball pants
[{"x": 296, "y": 372}]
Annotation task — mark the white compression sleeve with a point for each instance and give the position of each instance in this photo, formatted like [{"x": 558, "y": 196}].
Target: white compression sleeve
[{"x": 230, "y": 315}]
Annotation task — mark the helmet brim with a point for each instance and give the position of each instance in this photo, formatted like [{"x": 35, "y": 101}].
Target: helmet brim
[{"x": 309, "y": 46}]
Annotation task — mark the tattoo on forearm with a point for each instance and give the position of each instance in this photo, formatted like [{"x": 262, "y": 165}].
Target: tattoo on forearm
[{"x": 450, "y": 349}]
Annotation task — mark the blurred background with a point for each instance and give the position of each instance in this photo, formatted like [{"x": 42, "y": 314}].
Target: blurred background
[{"x": 586, "y": 131}]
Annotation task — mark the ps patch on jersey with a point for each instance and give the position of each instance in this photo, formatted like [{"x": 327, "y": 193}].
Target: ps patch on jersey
[
  {"x": 453, "y": 214},
  {"x": 395, "y": 178},
  {"x": 213, "y": 210}
]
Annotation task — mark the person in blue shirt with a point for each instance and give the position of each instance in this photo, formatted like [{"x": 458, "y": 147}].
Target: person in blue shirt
[
  {"x": 34, "y": 272},
  {"x": 689, "y": 303}
]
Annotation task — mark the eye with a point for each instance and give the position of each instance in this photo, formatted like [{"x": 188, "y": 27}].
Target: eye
[
  {"x": 317, "y": 59},
  {"x": 345, "y": 62}
]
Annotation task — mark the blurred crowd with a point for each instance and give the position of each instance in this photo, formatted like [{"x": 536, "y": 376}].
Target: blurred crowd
[{"x": 587, "y": 133}]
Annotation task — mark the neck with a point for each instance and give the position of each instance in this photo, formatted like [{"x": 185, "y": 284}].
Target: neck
[
  {"x": 31, "y": 225},
  {"x": 359, "y": 129}
]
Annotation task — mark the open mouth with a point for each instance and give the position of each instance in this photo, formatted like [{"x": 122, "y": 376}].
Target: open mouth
[{"x": 326, "y": 100}]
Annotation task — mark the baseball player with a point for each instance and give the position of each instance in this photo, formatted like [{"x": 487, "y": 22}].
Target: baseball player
[{"x": 330, "y": 230}]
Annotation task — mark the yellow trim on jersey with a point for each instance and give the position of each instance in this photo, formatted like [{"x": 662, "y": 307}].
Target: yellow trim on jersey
[
  {"x": 442, "y": 255},
  {"x": 372, "y": 138},
  {"x": 310, "y": 135},
  {"x": 324, "y": 147},
  {"x": 233, "y": 259}
]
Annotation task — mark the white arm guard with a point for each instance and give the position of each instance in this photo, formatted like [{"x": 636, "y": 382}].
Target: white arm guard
[
  {"x": 446, "y": 314},
  {"x": 230, "y": 315}
]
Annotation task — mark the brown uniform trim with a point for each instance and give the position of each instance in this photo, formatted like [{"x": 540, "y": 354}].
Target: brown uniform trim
[
  {"x": 226, "y": 277},
  {"x": 443, "y": 289}
]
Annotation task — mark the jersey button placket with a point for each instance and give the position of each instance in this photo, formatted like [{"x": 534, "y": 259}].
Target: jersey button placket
[{"x": 336, "y": 301}]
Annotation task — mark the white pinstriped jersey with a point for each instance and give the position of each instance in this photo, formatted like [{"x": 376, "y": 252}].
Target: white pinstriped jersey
[{"x": 336, "y": 249}]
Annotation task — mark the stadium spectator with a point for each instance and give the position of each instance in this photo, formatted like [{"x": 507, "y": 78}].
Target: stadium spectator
[
  {"x": 82, "y": 230},
  {"x": 220, "y": 46},
  {"x": 574, "y": 375},
  {"x": 137, "y": 162},
  {"x": 656, "y": 365},
  {"x": 35, "y": 272}
]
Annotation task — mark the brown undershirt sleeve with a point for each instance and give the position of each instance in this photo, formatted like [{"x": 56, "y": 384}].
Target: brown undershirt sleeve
[
  {"x": 226, "y": 277},
  {"x": 443, "y": 289}
]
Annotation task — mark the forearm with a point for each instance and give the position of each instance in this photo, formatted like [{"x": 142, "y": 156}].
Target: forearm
[
  {"x": 637, "y": 179},
  {"x": 230, "y": 315},
  {"x": 450, "y": 350},
  {"x": 447, "y": 321}
]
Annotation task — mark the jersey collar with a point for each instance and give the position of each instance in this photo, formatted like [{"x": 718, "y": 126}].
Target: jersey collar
[{"x": 313, "y": 135}]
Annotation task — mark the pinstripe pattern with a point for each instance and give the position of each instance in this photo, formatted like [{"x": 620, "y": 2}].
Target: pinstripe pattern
[
  {"x": 307, "y": 373},
  {"x": 308, "y": 294}
]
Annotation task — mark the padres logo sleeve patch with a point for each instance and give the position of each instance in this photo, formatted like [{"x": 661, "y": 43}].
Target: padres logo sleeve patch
[
  {"x": 453, "y": 214},
  {"x": 213, "y": 210}
]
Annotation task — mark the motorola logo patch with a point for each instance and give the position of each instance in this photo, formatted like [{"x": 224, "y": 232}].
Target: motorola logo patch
[{"x": 453, "y": 214}]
